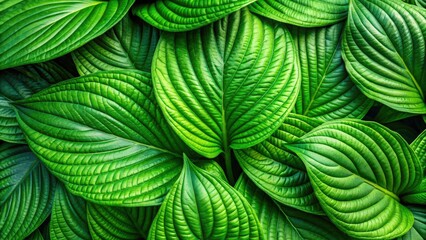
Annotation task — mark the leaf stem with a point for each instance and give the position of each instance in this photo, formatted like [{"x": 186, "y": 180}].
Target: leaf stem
[{"x": 228, "y": 166}]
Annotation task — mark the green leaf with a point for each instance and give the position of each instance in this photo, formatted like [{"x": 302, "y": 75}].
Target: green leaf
[
  {"x": 228, "y": 85},
  {"x": 327, "y": 92},
  {"x": 36, "y": 31},
  {"x": 36, "y": 235},
  {"x": 385, "y": 53},
  {"x": 212, "y": 167},
  {"x": 281, "y": 222},
  {"x": 105, "y": 137},
  {"x": 69, "y": 219},
  {"x": 418, "y": 231},
  {"x": 26, "y": 192},
  {"x": 185, "y": 15},
  {"x": 130, "y": 44},
  {"x": 279, "y": 173},
  {"x": 201, "y": 206},
  {"x": 20, "y": 83},
  {"x": 118, "y": 222},
  {"x": 358, "y": 170},
  {"x": 304, "y": 13},
  {"x": 388, "y": 115}
]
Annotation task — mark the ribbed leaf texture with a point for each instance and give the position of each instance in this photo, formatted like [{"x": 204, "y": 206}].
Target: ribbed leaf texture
[
  {"x": 304, "y": 13},
  {"x": 26, "y": 191},
  {"x": 185, "y": 15},
  {"x": 279, "y": 173},
  {"x": 130, "y": 44},
  {"x": 105, "y": 137},
  {"x": 327, "y": 92},
  {"x": 201, "y": 206},
  {"x": 385, "y": 52},
  {"x": 358, "y": 170},
  {"x": 418, "y": 231},
  {"x": 228, "y": 85}
]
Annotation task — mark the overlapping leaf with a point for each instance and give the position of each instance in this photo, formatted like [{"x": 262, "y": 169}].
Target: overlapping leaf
[
  {"x": 358, "y": 170},
  {"x": 277, "y": 172},
  {"x": 130, "y": 44},
  {"x": 418, "y": 231},
  {"x": 36, "y": 31},
  {"x": 26, "y": 191},
  {"x": 327, "y": 92},
  {"x": 385, "y": 52},
  {"x": 227, "y": 85},
  {"x": 104, "y": 136},
  {"x": 185, "y": 15},
  {"x": 201, "y": 206},
  {"x": 304, "y": 13}
]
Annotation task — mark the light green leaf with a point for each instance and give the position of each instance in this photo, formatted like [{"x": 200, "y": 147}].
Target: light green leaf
[
  {"x": 418, "y": 231},
  {"x": 185, "y": 15},
  {"x": 201, "y": 206},
  {"x": 68, "y": 219},
  {"x": 358, "y": 170},
  {"x": 105, "y": 137},
  {"x": 420, "y": 3},
  {"x": 36, "y": 31},
  {"x": 118, "y": 222},
  {"x": 130, "y": 44},
  {"x": 20, "y": 83},
  {"x": 327, "y": 92},
  {"x": 281, "y": 222},
  {"x": 26, "y": 192},
  {"x": 304, "y": 13},
  {"x": 279, "y": 173},
  {"x": 228, "y": 85},
  {"x": 385, "y": 53},
  {"x": 212, "y": 167}
]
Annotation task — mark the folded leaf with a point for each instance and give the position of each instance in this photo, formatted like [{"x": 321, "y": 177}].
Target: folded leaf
[
  {"x": 36, "y": 31},
  {"x": 227, "y": 85},
  {"x": 418, "y": 231},
  {"x": 304, "y": 13},
  {"x": 26, "y": 192},
  {"x": 358, "y": 170},
  {"x": 185, "y": 15},
  {"x": 130, "y": 44},
  {"x": 327, "y": 92},
  {"x": 105, "y": 137},
  {"x": 385, "y": 52},
  {"x": 201, "y": 206},
  {"x": 278, "y": 172}
]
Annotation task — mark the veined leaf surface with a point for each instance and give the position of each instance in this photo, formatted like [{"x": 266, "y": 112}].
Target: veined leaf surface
[
  {"x": 358, "y": 170},
  {"x": 384, "y": 50},
  {"x": 202, "y": 206},
  {"x": 185, "y": 15},
  {"x": 418, "y": 231},
  {"x": 105, "y": 137},
  {"x": 227, "y": 85},
  {"x": 36, "y": 31}
]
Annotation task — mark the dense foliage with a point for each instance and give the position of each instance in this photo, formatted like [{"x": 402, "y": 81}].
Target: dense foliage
[{"x": 222, "y": 119}]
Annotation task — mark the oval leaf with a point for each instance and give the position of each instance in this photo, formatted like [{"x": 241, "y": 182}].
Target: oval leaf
[
  {"x": 105, "y": 137},
  {"x": 220, "y": 90},
  {"x": 358, "y": 169},
  {"x": 36, "y": 31},
  {"x": 201, "y": 206},
  {"x": 385, "y": 52},
  {"x": 185, "y": 15}
]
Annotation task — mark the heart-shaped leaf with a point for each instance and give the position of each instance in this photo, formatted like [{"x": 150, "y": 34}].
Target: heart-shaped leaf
[
  {"x": 385, "y": 52},
  {"x": 358, "y": 170}
]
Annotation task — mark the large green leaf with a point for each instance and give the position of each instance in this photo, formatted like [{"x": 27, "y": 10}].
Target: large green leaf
[
  {"x": 35, "y": 31},
  {"x": 227, "y": 85},
  {"x": 130, "y": 44},
  {"x": 105, "y": 137},
  {"x": 418, "y": 231},
  {"x": 304, "y": 13},
  {"x": 118, "y": 222},
  {"x": 20, "y": 83},
  {"x": 280, "y": 222},
  {"x": 26, "y": 191},
  {"x": 358, "y": 170},
  {"x": 327, "y": 92},
  {"x": 184, "y": 15},
  {"x": 385, "y": 52},
  {"x": 279, "y": 173},
  {"x": 202, "y": 206},
  {"x": 69, "y": 219}
]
